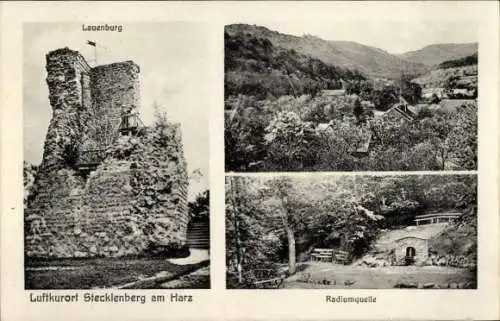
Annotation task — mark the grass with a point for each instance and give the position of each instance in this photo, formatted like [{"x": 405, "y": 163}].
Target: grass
[
  {"x": 98, "y": 272},
  {"x": 375, "y": 278}
]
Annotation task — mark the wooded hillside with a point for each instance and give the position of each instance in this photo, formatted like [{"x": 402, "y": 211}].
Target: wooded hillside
[{"x": 256, "y": 67}]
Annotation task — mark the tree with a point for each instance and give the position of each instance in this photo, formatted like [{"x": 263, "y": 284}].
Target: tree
[
  {"x": 199, "y": 209},
  {"x": 451, "y": 82},
  {"x": 435, "y": 99},
  {"x": 358, "y": 111},
  {"x": 337, "y": 143},
  {"x": 462, "y": 139},
  {"x": 352, "y": 87},
  {"x": 411, "y": 91},
  {"x": 244, "y": 132},
  {"x": 247, "y": 229},
  {"x": 385, "y": 98},
  {"x": 235, "y": 215},
  {"x": 289, "y": 141},
  {"x": 366, "y": 90},
  {"x": 29, "y": 174},
  {"x": 283, "y": 188}
]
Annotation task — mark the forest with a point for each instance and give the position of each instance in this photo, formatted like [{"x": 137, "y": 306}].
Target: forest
[
  {"x": 255, "y": 67},
  {"x": 465, "y": 61},
  {"x": 279, "y": 220},
  {"x": 323, "y": 133}
]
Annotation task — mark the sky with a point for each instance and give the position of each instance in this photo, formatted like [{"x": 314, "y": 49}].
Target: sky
[
  {"x": 173, "y": 58},
  {"x": 392, "y": 36}
]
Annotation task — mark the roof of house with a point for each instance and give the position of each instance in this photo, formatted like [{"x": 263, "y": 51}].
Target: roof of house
[
  {"x": 425, "y": 232},
  {"x": 432, "y": 90},
  {"x": 367, "y": 103},
  {"x": 405, "y": 112},
  {"x": 378, "y": 113},
  {"x": 413, "y": 109}
]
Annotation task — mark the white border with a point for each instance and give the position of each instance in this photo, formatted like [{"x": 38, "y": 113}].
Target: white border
[{"x": 219, "y": 303}]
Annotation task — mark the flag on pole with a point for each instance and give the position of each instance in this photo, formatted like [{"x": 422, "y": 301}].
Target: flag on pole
[{"x": 91, "y": 43}]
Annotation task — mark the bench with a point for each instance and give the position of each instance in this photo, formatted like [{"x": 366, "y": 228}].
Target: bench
[
  {"x": 264, "y": 278},
  {"x": 323, "y": 255},
  {"x": 341, "y": 257},
  {"x": 329, "y": 255}
]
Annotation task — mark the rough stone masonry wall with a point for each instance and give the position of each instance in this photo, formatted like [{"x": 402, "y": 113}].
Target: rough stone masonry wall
[
  {"x": 65, "y": 68},
  {"x": 137, "y": 197},
  {"x": 114, "y": 86},
  {"x": 421, "y": 250},
  {"x": 159, "y": 182},
  {"x": 65, "y": 74},
  {"x": 123, "y": 208}
]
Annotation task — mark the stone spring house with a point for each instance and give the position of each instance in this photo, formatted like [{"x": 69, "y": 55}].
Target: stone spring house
[
  {"x": 104, "y": 187},
  {"x": 413, "y": 248}
]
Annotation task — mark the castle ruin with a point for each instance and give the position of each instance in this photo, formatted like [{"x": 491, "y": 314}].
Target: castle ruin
[{"x": 106, "y": 186}]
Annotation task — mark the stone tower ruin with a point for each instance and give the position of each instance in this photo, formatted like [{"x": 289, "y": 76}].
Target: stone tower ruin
[{"x": 106, "y": 186}]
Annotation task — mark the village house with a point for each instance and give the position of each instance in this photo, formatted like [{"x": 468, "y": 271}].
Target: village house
[
  {"x": 428, "y": 93},
  {"x": 460, "y": 91},
  {"x": 464, "y": 92},
  {"x": 399, "y": 111},
  {"x": 367, "y": 105}
]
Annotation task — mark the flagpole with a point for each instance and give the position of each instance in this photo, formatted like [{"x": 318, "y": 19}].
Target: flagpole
[{"x": 93, "y": 44}]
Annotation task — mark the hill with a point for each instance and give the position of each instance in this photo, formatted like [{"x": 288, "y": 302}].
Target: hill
[
  {"x": 371, "y": 61},
  {"x": 254, "y": 66},
  {"x": 435, "y": 54},
  {"x": 460, "y": 237},
  {"x": 464, "y": 76},
  {"x": 465, "y": 61}
]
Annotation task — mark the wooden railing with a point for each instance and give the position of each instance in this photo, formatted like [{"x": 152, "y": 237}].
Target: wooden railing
[{"x": 130, "y": 124}]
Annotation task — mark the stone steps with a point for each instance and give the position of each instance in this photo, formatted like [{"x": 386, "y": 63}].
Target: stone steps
[{"x": 198, "y": 235}]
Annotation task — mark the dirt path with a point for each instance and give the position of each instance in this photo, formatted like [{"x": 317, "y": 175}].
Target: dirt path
[{"x": 327, "y": 275}]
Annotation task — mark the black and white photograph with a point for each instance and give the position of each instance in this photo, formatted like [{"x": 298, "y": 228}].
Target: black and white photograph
[
  {"x": 116, "y": 161},
  {"x": 351, "y": 232},
  {"x": 351, "y": 96},
  {"x": 187, "y": 160}
]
